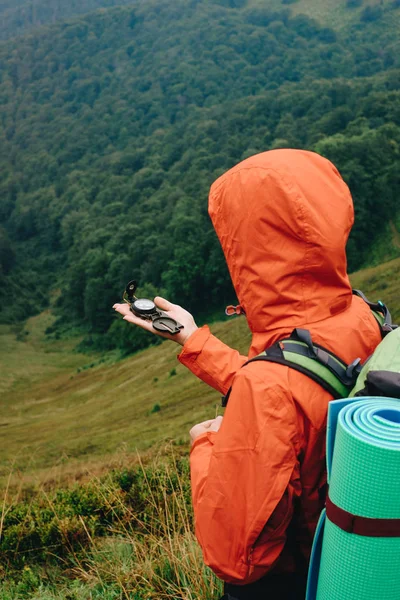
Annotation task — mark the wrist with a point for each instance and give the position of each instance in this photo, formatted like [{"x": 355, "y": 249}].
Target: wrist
[{"x": 186, "y": 334}]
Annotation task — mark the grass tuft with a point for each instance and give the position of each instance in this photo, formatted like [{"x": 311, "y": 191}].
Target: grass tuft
[{"x": 128, "y": 535}]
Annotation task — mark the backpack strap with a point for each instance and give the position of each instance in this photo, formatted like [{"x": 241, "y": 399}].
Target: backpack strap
[
  {"x": 380, "y": 312},
  {"x": 300, "y": 353}
]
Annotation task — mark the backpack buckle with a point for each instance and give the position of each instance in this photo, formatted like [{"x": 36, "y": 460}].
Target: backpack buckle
[
  {"x": 303, "y": 335},
  {"x": 353, "y": 370},
  {"x": 234, "y": 310}
]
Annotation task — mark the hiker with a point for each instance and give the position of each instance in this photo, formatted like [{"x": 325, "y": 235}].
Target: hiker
[{"x": 258, "y": 474}]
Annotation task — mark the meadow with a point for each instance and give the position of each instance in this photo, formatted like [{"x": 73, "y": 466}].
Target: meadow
[{"x": 94, "y": 463}]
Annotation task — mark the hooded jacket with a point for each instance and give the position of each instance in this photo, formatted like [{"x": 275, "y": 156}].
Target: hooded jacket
[{"x": 283, "y": 218}]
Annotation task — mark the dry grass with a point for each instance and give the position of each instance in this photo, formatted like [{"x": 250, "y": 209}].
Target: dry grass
[
  {"x": 381, "y": 283},
  {"x": 155, "y": 559},
  {"x": 59, "y": 412},
  {"x": 165, "y": 563}
]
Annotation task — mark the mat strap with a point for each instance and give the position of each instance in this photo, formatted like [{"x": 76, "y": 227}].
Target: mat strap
[{"x": 361, "y": 525}]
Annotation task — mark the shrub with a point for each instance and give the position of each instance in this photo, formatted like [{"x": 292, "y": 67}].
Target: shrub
[
  {"x": 371, "y": 13},
  {"x": 354, "y": 3},
  {"x": 52, "y": 527},
  {"x": 130, "y": 532}
]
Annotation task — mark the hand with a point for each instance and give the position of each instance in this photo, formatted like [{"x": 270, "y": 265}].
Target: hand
[
  {"x": 173, "y": 310},
  {"x": 211, "y": 425}
]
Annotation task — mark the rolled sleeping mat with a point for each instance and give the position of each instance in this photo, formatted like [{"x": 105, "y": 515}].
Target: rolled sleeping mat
[{"x": 356, "y": 550}]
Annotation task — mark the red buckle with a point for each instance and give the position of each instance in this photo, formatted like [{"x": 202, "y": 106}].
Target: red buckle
[{"x": 234, "y": 310}]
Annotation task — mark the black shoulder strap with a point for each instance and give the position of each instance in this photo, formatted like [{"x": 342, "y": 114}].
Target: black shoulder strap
[{"x": 300, "y": 353}]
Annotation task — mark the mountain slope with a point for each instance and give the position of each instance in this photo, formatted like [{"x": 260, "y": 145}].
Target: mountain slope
[
  {"x": 113, "y": 127},
  {"x": 336, "y": 13},
  {"x": 17, "y": 17},
  {"x": 78, "y": 411}
]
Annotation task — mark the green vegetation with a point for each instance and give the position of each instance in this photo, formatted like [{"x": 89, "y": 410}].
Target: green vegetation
[
  {"x": 128, "y": 535},
  {"x": 75, "y": 413},
  {"x": 20, "y": 16},
  {"x": 381, "y": 284},
  {"x": 100, "y": 522},
  {"x": 114, "y": 125},
  {"x": 338, "y": 13}
]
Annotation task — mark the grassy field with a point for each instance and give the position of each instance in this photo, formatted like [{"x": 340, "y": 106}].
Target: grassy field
[
  {"x": 96, "y": 502},
  {"x": 126, "y": 536},
  {"x": 77, "y": 413},
  {"x": 65, "y": 414}
]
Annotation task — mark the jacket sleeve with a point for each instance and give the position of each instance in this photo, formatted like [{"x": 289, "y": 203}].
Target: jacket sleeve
[
  {"x": 244, "y": 478},
  {"x": 211, "y": 360}
]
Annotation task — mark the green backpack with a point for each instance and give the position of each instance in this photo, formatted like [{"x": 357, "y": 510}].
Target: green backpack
[{"x": 378, "y": 376}]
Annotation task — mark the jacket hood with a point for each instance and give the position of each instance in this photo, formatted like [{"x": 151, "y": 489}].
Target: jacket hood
[{"x": 283, "y": 218}]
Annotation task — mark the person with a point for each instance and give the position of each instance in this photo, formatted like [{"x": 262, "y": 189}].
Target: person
[{"x": 258, "y": 474}]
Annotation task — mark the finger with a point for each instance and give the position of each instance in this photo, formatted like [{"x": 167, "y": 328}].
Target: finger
[
  {"x": 123, "y": 309},
  {"x": 206, "y": 424},
  {"x": 200, "y": 427},
  {"x": 128, "y": 315},
  {"x": 147, "y": 325},
  {"x": 197, "y": 430},
  {"x": 216, "y": 424},
  {"x": 163, "y": 303},
  {"x": 192, "y": 430},
  {"x": 141, "y": 322}
]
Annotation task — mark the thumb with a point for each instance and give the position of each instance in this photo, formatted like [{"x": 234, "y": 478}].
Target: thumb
[
  {"x": 207, "y": 424},
  {"x": 163, "y": 303}
]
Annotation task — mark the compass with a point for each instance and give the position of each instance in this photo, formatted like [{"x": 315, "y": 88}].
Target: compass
[
  {"x": 147, "y": 310},
  {"x": 143, "y": 307}
]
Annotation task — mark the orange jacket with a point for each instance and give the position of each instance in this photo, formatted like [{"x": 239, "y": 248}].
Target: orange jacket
[{"x": 283, "y": 219}]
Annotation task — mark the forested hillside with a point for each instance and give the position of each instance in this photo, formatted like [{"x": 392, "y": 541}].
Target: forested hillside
[
  {"x": 19, "y": 16},
  {"x": 114, "y": 125}
]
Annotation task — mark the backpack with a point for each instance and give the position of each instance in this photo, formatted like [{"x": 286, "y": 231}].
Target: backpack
[{"x": 379, "y": 375}]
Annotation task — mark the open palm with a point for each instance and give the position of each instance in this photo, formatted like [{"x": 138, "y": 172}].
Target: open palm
[{"x": 173, "y": 310}]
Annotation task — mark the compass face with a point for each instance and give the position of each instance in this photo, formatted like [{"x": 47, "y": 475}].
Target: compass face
[{"x": 144, "y": 306}]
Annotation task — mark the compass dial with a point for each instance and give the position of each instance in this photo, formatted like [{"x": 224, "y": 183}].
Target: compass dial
[{"x": 144, "y": 306}]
